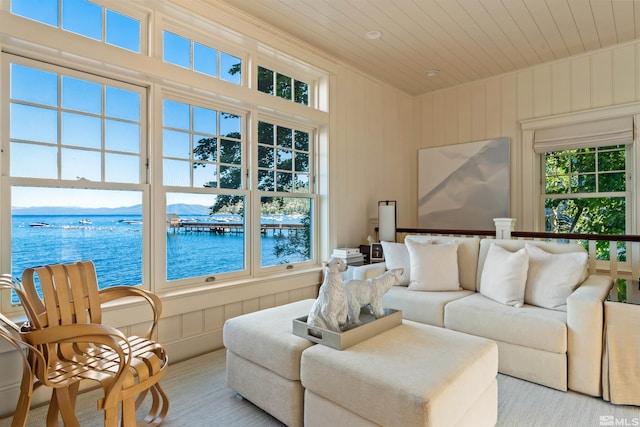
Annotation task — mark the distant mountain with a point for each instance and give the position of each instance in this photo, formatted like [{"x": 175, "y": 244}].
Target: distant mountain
[
  {"x": 178, "y": 208},
  {"x": 184, "y": 209}
]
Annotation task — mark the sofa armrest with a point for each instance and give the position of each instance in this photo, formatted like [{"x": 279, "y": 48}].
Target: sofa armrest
[
  {"x": 585, "y": 325},
  {"x": 364, "y": 272}
]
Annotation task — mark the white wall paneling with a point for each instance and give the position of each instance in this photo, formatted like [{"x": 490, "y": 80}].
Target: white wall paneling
[
  {"x": 464, "y": 113},
  {"x": 492, "y": 109},
  {"x": 560, "y": 90},
  {"x": 624, "y": 74},
  {"x": 451, "y": 118},
  {"x": 478, "y": 111},
  {"x": 376, "y": 145},
  {"x": 580, "y": 83},
  {"x": 603, "y": 78},
  {"x": 542, "y": 91}
]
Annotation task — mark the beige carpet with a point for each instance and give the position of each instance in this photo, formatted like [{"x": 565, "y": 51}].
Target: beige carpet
[{"x": 200, "y": 397}]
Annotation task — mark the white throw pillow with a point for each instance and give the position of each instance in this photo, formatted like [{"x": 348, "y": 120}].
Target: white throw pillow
[
  {"x": 396, "y": 255},
  {"x": 553, "y": 277},
  {"x": 433, "y": 267},
  {"x": 504, "y": 275}
]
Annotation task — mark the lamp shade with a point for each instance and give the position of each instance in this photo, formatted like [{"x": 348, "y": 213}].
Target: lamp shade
[{"x": 387, "y": 220}]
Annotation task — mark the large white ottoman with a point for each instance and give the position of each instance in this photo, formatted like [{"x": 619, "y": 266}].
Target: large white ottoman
[
  {"x": 410, "y": 375},
  {"x": 263, "y": 359}
]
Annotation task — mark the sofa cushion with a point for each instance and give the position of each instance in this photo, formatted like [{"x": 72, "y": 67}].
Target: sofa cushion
[
  {"x": 433, "y": 267},
  {"x": 514, "y": 245},
  {"x": 504, "y": 275},
  {"x": 396, "y": 255},
  {"x": 423, "y": 307},
  {"x": 553, "y": 277},
  {"x": 529, "y": 326},
  {"x": 468, "y": 249},
  {"x": 410, "y": 375},
  {"x": 265, "y": 338}
]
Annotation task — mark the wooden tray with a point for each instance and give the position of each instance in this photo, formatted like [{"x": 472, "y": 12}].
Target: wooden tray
[{"x": 352, "y": 334}]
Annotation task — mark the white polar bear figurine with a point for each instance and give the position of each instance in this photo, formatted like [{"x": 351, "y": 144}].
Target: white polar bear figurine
[
  {"x": 369, "y": 292},
  {"x": 330, "y": 309}
]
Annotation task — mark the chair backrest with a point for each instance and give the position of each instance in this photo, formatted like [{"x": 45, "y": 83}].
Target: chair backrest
[
  {"x": 69, "y": 294},
  {"x": 8, "y": 329},
  {"x": 68, "y": 344}
]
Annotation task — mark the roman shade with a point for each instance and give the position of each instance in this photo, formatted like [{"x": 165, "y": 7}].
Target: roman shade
[{"x": 595, "y": 133}]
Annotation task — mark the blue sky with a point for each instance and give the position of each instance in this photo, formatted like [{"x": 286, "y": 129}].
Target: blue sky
[{"x": 36, "y": 118}]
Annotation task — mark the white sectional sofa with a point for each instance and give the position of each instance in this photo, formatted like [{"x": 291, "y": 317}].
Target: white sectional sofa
[{"x": 549, "y": 333}]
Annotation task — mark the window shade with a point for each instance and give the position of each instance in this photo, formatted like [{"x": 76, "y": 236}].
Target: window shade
[{"x": 596, "y": 133}]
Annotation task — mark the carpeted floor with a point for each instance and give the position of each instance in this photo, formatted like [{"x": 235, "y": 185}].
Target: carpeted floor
[{"x": 199, "y": 396}]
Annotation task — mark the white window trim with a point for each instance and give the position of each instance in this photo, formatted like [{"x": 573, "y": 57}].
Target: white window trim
[
  {"x": 532, "y": 207},
  {"x": 306, "y": 77},
  {"x": 204, "y": 38},
  {"x": 31, "y": 39},
  {"x": 7, "y": 181},
  {"x": 313, "y": 194},
  {"x": 160, "y": 205}
]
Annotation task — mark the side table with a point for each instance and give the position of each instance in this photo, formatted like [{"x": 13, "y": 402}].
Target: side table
[{"x": 621, "y": 356}]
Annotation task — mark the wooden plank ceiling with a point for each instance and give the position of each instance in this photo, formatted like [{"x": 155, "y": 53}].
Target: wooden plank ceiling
[{"x": 465, "y": 40}]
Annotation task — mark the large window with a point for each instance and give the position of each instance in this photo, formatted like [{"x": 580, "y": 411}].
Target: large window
[
  {"x": 162, "y": 176},
  {"x": 285, "y": 162},
  {"x": 76, "y": 170},
  {"x": 203, "y": 151},
  {"x": 585, "y": 191}
]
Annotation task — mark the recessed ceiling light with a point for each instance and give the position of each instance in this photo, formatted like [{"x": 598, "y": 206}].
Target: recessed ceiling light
[
  {"x": 373, "y": 34},
  {"x": 432, "y": 73}
]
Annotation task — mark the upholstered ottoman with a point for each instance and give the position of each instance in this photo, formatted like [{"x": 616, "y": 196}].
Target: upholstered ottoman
[
  {"x": 263, "y": 359},
  {"x": 410, "y": 375}
]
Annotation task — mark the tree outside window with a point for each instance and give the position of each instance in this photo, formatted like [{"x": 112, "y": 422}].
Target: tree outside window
[{"x": 586, "y": 192}]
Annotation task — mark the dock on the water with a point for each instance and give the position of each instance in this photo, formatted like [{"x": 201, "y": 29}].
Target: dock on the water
[{"x": 228, "y": 227}]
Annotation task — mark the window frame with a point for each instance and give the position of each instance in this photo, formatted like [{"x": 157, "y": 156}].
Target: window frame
[
  {"x": 129, "y": 9},
  {"x": 210, "y": 41},
  {"x": 7, "y": 182},
  {"x": 529, "y": 201},
  {"x": 291, "y": 68},
  {"x": 42, "y": 42},
  {"x": 627, "y": 194},
  {"x": 257, "y": 194},
  {"x": 160, "y": 206}
]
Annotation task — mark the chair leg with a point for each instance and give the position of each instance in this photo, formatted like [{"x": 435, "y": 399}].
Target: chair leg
[
  {"x": 22, "y": 410},
  {"x": 159, "y": 407},
  {"x": 66, "y": 402},
  {"x": 155, "y": 404},
  {"x": 128, "y": 413},
  {"x": 141, "y": 398},
  {"x": 52, "y": 413},
  {"x": 111, "y": 416}
]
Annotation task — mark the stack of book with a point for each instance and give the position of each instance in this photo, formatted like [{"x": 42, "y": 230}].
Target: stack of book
[{"x": 352, "y": 256}]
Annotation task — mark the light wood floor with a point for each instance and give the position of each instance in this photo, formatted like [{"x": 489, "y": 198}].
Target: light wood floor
[{"x": 200, "y": 396}]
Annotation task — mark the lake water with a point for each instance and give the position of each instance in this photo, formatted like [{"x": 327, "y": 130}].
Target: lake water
[{"x": 114, "y": 244}]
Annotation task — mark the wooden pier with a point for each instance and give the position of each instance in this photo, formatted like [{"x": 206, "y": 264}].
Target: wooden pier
[{"x": 228, "y": 227}]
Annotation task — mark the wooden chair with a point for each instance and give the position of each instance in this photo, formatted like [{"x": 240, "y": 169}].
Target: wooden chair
[
  {"x": 10, "y": 332},
  {"x": 65, "y": 327}
]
